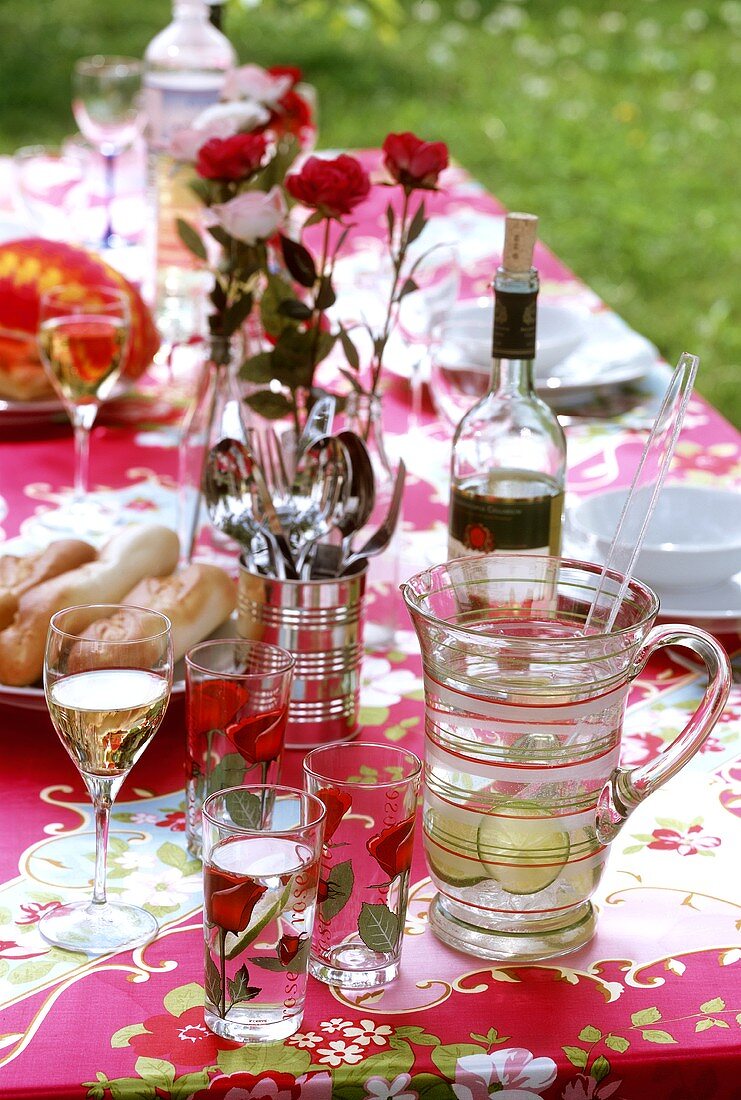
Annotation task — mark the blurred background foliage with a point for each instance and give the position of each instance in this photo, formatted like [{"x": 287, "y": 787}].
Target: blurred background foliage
[{"x": 617, "y": 122}]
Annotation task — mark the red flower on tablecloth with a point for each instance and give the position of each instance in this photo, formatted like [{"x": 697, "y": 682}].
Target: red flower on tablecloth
[
  {"x": 588, "y": 1088},
  {"x": 271, "y": 1085},
  {"x": 332, "y": 187},
  {"x": 184, "y": 1040},
  {"x": 687, "y": 843},
  {"x": 229, "y": 905},
  {"x": 232, "y": 158},
  {"x": 640, "y": 748},
  {"x": 9, "y": 949},
  {"x": 392, "y": 849},
  {"x": 336, "y": 803},
  {"x": 414, "y": 163},
  {"x": 174, "y": 821},
  {"x": 34, "y": 910}
]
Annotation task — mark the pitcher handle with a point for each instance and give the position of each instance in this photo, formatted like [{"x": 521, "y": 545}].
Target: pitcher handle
[{"x": 627, "y": 787}]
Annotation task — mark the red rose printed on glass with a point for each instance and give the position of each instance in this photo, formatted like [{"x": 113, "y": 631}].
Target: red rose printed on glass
[
  {"x": 392, "y": 849},
  {"x": 332, "y": 187},
  {"x": 233, "y": 158},
  {"x": 336, "y": 803},
  {"x": 289, "y": 946},
  {"x": 230, "y": 905},
  {"x": 414, "y": 163},
  {"x": 258, "y": 738}
]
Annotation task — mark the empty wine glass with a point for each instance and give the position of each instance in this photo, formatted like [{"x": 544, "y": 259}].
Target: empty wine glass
[
  {"x": 436, "y": 274},
  {"x": 107, "y": 680},
  {"x": 83, "y": 336},
  {"x": 107, "y": 105}
]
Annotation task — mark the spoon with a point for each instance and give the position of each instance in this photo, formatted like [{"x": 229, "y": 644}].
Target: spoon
[
  {"x": 321, "y": 483},
  {"x": 230, "y": 508},
  {"x": 381, "y": 537},
  {"x": 361, "y": 491}
]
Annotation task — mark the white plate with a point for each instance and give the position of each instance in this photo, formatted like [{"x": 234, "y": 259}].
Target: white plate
[{"x": 718, "y": 607}]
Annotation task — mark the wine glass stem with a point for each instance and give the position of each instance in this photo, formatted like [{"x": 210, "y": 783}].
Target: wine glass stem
[
  {"x": 110, "y": 174},
  {"x": 82, "y": 457},
  {"x": 100, "y": 790}
]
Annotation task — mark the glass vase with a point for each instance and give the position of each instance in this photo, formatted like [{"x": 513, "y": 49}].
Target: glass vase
[
  {"x": 384, "y": 609},
  {"x": 216, "y": 412}
]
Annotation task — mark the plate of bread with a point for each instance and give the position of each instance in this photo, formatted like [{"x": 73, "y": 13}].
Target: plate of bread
[{"x": 137, "y": 566}]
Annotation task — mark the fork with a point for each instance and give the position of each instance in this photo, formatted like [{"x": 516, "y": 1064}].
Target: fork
[{"x": 270, "y": 456}]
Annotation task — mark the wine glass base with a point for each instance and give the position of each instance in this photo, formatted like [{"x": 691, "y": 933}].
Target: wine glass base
[
  {"x": 83, "y": 519},
  {"x": 97, "y": 929}
]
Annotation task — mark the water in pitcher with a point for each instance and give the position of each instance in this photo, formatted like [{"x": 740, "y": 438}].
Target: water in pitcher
[{"x": 517, "y": 753}]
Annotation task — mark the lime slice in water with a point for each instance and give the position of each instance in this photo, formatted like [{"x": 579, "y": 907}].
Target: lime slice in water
[
  {"x": 523, "y": 851},
  {"x": 451, "y": 846}
]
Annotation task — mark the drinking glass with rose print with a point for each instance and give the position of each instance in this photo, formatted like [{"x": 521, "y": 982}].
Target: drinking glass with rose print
[
  {"x": 237, "y": 695},
  {"x": 370, "y": 793},
  {"x": 260, "y": 876}
]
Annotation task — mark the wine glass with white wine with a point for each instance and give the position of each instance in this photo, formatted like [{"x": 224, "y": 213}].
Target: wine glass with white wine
[{"x": 107, "y": 679}]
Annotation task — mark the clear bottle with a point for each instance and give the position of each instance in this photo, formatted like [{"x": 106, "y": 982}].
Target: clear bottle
[
  {"x": 508, "y": 464},
  {"x": 186, "y": 65}
]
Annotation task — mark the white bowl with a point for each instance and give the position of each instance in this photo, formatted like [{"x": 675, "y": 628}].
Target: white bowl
[
  {"x": 692, "y": 541},
  {"x": 461, "y": 351}
]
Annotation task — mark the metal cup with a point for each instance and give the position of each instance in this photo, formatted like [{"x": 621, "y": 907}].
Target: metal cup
[{"x": 320, "y": 622}]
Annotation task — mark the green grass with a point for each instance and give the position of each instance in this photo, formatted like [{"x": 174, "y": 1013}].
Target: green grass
[{"x": 616, "y": 122}]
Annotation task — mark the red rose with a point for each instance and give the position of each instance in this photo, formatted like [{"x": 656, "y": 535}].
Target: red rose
[
  {"x": 333, "y": 187},
  {"x": 286, "y": 70},
  {"x": 289, "y": 947},
  {"x": 291, "y": 116},
  {"x": 336, "y": 803},
  {"x": 392, "y": 849},
  {"x": 413, "y": 162},
  {"x": 230, "y": 901},
  {"x": 232, "y": 158},
  {"x": 258, "y": 738}
]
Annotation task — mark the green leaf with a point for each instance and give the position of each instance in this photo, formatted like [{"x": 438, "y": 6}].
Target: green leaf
[
  {"x": 240, "y": 988},
  {"x": 326, "y": 296},
  {"x": 349, "y": 349},
  {"x": 237, "y": 314},
  {"x": 260, "y": 1057},
  {"x": 245, "y": 808},
  {"x": 179, "y": 1000},
  {"x": 184, "y": 1087},
  {"x": 156, "y": 1072},
  {"x": 213, "y": 980},
  {"x": 131, "y": 1088},
  {"x": 271, "y": 405},
  {"x": 617, "y": 1043},
  {"x": 590, "y": 1034},
  {"x": 191, "y": 239},
  {"x": 600, "y": 1068},
  {"x": 173, "y": 856},
  {"x": 120, "y": 1038},
  {"x": 388, "y": 1063},
  {"x": 428, "y": 1086},
  {"x": 408, "y": 287},
  {"x": 446, "y": 1055},
  {"x": 229, "y": 772},
  {"x": 295, "y": 309},
  {"x": 657, "y": 1037},
  {"x": 632, "y": 848},
  {"x": 417, "y": 1035},
  {"x": 645, "y": 1016},
  {"x": 254, "y": 930},
  {"x": 341, "y": 881},
  {"x": 390, "y": 220},
  {"x": 419, "y": 221},
  {"x": 576, "y": 1056},
  {"x": 299, "y": 261},
  {"x": 703, "y": 1025},
  {"x": 269, "y": 962},
  {"x": 30, "y": 972},
  {"x": 258, "y": 368},
  {"x": 275, "y": 293},
  {"x": 716, "y": 1005},
  {"x": 379, "y": 928}
]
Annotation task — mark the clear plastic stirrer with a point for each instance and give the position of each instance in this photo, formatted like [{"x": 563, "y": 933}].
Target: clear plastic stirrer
[{"x": 644, "y": 492}]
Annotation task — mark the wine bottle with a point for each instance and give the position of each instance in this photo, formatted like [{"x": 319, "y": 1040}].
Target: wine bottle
[
  {"x": 186, "y": 66},
  {"x": 509, "y": 452}
]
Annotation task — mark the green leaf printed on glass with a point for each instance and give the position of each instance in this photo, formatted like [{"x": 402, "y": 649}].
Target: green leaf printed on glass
[
  {"x": 238, "y": 944},
  {"x": 240, "y": 988},
  {"x": 229, "y": 772},
  {"x": 379, "y": 928},
  {"x": 245, "y": 809},
  {"x": 213, "y": 980},
  {"x": 340, "y": 884}
]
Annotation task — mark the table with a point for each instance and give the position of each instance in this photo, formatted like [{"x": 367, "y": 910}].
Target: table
[{"x": 651, "y": 1007}]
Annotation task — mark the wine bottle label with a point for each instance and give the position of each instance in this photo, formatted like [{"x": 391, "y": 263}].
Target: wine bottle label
[
  {"x": 514, "y": 324},
  {"x": 482, "y": 524}
]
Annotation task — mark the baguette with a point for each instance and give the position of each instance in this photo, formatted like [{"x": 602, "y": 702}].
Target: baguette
[
  {"x": 196, "y": 600},
  {"x": 18, "y": 574},
  {"x": 131, "y": 555}
]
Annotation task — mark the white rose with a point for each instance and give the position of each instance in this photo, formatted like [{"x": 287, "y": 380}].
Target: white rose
[
  {"x": 244, "y": 115},
  {"x": 253, "y": 82},
  {"x": 253, "y": 216}
]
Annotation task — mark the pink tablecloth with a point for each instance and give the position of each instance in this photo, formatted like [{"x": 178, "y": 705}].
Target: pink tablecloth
[{"x": 651, "y": 1007}]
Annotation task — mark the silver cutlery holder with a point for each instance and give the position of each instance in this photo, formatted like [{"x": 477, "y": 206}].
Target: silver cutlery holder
[{"x": 320, "y": 622}]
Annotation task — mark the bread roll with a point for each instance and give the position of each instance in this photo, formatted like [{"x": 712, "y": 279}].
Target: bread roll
[
  {"x": 134, "y": 553},
  {"x": 196, "y": 600},
  {"x": 19, "y": 573}
]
